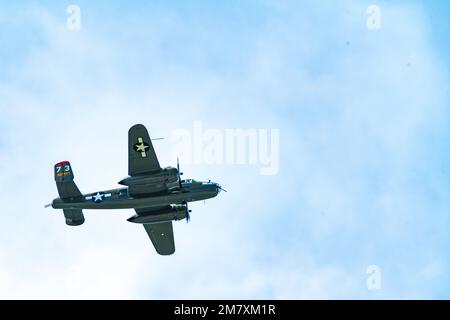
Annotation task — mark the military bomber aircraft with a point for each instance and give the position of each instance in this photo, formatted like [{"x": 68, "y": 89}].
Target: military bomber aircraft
[{"x": 158, "y": 195}]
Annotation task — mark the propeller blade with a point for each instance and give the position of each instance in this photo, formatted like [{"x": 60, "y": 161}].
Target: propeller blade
[
  {"x": 188, "y": 216},
  {"x": 48, "y": 205},
  {"x": 178, "y": 172}
]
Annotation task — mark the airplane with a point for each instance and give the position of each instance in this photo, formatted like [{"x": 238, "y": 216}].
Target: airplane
[{"x": 158, "y": 195}]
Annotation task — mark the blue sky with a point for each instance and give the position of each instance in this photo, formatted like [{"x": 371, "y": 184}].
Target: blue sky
[{"x": 364, "y": 130}]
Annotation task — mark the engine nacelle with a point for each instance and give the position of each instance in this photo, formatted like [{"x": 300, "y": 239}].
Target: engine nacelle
[
  {"x": 166, "y": 175},
  {"x": 174, "y": 212}
]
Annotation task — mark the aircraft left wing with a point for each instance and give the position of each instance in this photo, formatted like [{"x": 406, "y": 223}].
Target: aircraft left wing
[
  {"x": 141, "y": 154},
  {"x": 161, "y": 235}
]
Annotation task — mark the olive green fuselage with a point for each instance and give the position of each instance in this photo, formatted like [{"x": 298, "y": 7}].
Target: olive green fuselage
[{"x": 119, "y": 198}]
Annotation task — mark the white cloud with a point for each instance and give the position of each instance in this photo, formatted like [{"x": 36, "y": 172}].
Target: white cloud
[{"x": 354, "y": 121}]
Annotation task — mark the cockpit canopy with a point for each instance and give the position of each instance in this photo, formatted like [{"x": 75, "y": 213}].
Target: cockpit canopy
[{"x": 189, "y": 181}]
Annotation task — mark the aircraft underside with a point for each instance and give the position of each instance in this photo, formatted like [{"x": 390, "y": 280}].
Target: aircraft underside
[{"x": 158, "y": 195}]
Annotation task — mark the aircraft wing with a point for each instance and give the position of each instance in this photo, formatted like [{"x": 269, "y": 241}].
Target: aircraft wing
[
  {"x": 161, "y": 235},
  {"x": 140, "y": 191},
  {"x": 141, "y": 155}
]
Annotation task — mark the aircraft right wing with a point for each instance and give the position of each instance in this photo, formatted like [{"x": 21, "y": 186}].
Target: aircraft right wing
[
  {"x": 141, "y": 154},
  {"x": 161, "y": 235}
]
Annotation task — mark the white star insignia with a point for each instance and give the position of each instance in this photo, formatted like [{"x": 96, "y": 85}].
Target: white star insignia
[
  {"x": 98, "y": 197},
  {"x": 141, "y": 147}
]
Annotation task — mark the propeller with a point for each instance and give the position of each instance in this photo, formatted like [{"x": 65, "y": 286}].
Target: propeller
[
  {"x": 179, "y": 173},
  {"x": 220, "y": 188},
  {"x": 188, "y": 216},
  {"x": 48, "y": 205}
]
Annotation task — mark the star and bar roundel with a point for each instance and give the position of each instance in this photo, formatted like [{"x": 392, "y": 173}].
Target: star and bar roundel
[
  {"x": 98, "y": 197},
  {"x": 141, "y": 147}
]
